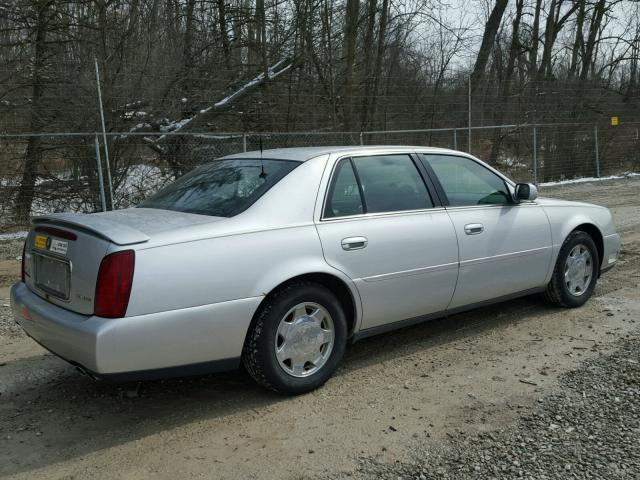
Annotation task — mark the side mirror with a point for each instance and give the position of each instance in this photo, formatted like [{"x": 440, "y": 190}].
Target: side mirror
[{"x": 526, "y": 192}]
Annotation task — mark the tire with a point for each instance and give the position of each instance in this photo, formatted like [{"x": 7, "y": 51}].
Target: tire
[
  {"x": 280, "y": 326},
  {"x": 564, "y": 291}
]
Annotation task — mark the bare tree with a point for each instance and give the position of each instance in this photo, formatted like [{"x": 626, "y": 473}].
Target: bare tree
[
  {"x": 43, "y": 13},
  {"x": 488, "y": 39},
  {"x": 351, "y": 36}
]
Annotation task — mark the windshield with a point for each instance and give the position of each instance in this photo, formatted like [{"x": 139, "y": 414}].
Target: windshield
[{"x": 221, "y": 188}]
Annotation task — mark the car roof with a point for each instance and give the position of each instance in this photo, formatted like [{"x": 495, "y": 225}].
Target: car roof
[{"x": 303, "y": 154}]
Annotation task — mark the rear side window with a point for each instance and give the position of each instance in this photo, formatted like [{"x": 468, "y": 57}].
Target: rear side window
[
  {"x": 344, "y": 196},
  {"x": 391, "y": 183},
  {"x": 466, "y": 182},
  {"x": 222, "y": 188},
  {"x": 376, "y": 184}
]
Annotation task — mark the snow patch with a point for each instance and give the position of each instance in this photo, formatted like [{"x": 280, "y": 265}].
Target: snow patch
[
  {"x": 13, "y": 236},
  {"x": 589, "y": 179},
  {"x": 133, "y": 114},
  {"x": 140, "y": 182}
]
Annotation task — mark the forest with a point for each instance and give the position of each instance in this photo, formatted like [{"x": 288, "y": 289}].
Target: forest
[{"x": 206, "y": 66}]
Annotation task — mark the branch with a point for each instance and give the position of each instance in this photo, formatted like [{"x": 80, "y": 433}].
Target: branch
[{"x": 226, "y": 103}]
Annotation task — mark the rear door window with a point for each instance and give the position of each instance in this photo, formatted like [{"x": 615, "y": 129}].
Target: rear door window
[
  {"x": 221, "y": 188},
  {"x": 391, "y": 183},
  {"x": 344, "y": 195}
]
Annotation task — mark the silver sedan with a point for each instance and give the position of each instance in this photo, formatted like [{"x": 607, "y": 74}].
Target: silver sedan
[{"x": 277, "y": 260}]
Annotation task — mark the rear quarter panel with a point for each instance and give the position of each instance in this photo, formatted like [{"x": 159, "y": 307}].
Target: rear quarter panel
[
  {"x": 245, "y": 256},
  {"x": 220, "y": 269}
]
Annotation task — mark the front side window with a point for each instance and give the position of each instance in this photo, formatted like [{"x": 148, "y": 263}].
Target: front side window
[
  {"x": 221, "y": 188},
  {"x": 466, "y": 182}
]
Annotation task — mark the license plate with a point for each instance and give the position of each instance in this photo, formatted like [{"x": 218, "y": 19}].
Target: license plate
[
  {"x": 52, "y": 275},
  {"x": 52, "y": 244}
]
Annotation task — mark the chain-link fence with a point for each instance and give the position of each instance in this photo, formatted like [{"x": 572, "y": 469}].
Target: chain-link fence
[{"x": 75, "y": 172}]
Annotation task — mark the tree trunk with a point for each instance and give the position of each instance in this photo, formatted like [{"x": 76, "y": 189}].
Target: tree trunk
[
  {"x": 545, "y": 64},
  {"x": 261, "y": 34},
  {"x": 633, "y": 68},
  {"x": 33, "y": 154},
  {"x": 488, "y": 39},
  {"x": 578, "y": 43},
  {"x": 367, "y": 67},
  {"x": 187, "y": 54},
  {"x": 514, "y": 51},
  {"x": 535, "y": 40},
  {"x": 382, "y": 33},
  {"x": 594, "y": 31},
  {"x": 224, "y": 33},
  {"x": 326, "y": 21},
  {"x": 351, "y": 37},
  {"x": 553, "y": 26}
]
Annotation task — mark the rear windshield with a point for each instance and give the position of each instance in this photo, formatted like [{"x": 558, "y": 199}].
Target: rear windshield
[{"x": 222, "y": 188}]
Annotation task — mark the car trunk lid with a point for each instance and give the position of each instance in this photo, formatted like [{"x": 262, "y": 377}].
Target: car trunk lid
[{"x": 63, "y": 251}]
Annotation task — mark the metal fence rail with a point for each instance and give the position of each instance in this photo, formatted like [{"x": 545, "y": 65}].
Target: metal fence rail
[{"x": 70, "y": 172}]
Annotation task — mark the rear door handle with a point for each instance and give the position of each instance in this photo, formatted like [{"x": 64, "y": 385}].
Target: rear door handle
[
  {"x": 354, "y": 243},
  {"x": 473, "y": 228}
]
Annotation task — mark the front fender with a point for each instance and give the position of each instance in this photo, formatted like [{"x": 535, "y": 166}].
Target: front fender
[{"x": 566, "y": 218}]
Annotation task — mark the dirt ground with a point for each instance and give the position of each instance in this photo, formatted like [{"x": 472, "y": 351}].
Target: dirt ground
[{"x": 469, "y": 373}]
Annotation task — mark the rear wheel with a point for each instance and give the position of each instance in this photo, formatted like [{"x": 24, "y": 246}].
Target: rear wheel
[
  {"x": 576, "y": 271},
  {"x": 297, "y": 339}
]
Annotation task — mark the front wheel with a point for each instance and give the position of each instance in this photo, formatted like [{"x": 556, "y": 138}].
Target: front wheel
[
  {"x": 297, "y": 340},
  {"x": 576, "y": 271}
]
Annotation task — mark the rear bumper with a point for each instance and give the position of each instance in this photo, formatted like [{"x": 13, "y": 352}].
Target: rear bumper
[{"x": 179, "y": 342}]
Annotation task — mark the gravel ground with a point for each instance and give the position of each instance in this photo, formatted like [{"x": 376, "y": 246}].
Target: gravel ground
[
  {"x": 10, "y": 257},
  {"x": 8, "y": 328},
  {"x": 589, "y": 428},
  {"x": 491, "y": 393}
]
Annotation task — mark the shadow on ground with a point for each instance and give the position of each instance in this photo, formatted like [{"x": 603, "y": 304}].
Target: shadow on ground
[{"x": 92, "y": 416}]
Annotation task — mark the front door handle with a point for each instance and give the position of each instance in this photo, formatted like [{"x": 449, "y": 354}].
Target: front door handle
[
  {"x": 354, "y": 243},
  {"x": 473, "y": 228}
]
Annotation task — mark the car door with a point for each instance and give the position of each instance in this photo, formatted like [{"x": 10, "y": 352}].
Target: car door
[
  {"x": 380, "y": 226},
  {"x": 505, "y": 247}
]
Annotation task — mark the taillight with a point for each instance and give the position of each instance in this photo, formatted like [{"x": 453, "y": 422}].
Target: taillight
[{"x": 114, "y": 284}]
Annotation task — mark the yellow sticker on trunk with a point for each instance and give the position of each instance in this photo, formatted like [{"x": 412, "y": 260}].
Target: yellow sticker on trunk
[{"x": 41, "y": 242}]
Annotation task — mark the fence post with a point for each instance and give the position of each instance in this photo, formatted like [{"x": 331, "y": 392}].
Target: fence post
[
  {"x": 535, "y": 155},
  {"x": 104, "y": 132},
  {"x": 455, "y": 138},
  {"x": 469, "y": 125},
  {"x": 100, "y": 180},
  {"x": 595, "y": 132},
  {"x": 244, "y": 142},
  {"x": 361, "y": 139}
]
